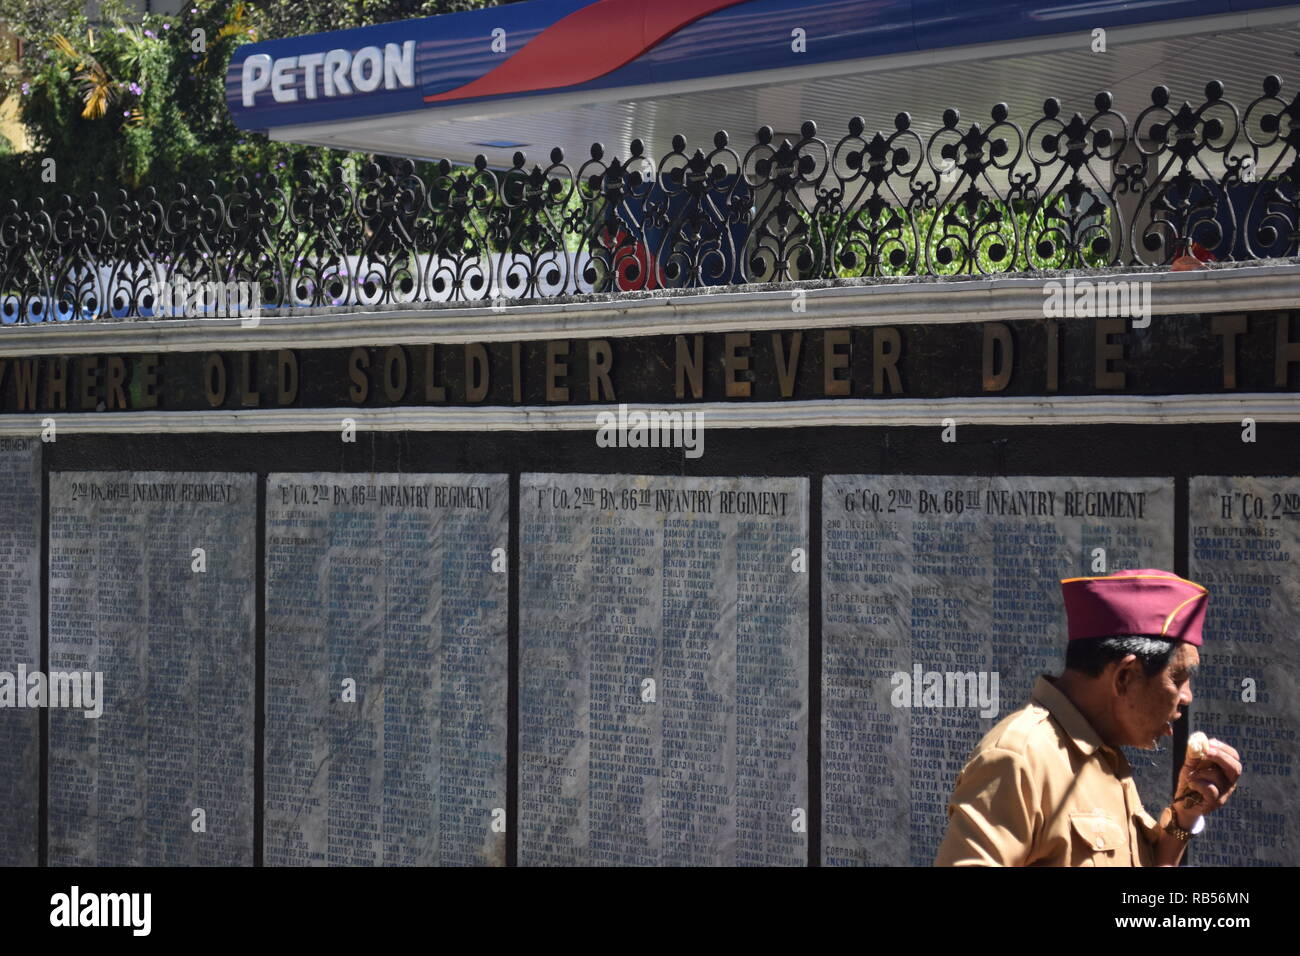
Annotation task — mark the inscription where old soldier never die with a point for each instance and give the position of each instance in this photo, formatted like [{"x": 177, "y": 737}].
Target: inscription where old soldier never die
[
  {"x": 953, "y": 576},
  {"x": 20, "y": 596},
  {"x": 152, "y": 585},
  {"x": 1245, "y": 547},
  {"x": 664, "y": 684},
  {"x": 386, "y": 657}
]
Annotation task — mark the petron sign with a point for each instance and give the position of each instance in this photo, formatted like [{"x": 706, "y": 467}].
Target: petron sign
[
  {"x": 1173, "y": 355},
  {"x": 544, "y": 45},
  {"x": 602, "y": 48},
  {"x": 333, "y": 73}
]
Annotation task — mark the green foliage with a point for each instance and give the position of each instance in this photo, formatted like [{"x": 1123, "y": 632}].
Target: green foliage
[
  {"x": 1012, "y": 226},
  {"x": 281, "y": 18},
  {"x": 35, "y": 20},
  {"x": 132, "y": 103}
]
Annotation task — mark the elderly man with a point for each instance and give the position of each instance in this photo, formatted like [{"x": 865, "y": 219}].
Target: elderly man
[{"x": 1048, "y": 786}]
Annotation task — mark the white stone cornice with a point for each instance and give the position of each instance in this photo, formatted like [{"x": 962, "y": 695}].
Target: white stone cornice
[
  {"x": 1263, "y": 407},
  {"x": 1239, "y": 288}
]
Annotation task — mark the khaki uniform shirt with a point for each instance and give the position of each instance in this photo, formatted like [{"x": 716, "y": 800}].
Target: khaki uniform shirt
[{"x": 1042, "y": 789}]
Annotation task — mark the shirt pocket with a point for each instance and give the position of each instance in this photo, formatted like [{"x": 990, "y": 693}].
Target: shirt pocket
[{"x": 1097, "y": 839}]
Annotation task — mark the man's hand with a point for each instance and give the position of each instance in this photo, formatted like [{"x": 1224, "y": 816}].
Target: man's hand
[{"x": 1205, "y": 783}]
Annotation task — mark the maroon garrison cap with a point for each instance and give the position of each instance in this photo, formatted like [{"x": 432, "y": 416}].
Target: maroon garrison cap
[{"x": 1147, "y": 601}]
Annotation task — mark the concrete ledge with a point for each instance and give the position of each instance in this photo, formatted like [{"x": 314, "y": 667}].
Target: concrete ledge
[
  {"x": 922, "y": 413},
  {"x": 1226, "y": 287}
]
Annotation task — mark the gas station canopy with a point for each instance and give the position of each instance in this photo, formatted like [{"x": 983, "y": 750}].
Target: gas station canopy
[{"x": 543, "y": 73}]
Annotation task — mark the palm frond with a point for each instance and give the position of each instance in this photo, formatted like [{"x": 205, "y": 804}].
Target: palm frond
[
  {"x": 236, "y": 25},
  {"x": 100, "y": 90},
  {"x": 65, "y": 47}
]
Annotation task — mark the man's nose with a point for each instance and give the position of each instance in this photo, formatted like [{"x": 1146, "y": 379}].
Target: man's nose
[{"x": 1185, "y": 697}]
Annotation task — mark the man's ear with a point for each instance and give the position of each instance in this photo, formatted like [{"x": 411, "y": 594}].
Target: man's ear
[{"x": 1126, "y": 676}]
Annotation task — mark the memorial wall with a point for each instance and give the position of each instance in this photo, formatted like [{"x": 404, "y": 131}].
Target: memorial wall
[
  {"x": 386, "y": 657},
  {"x": 151, "y": 605},
  {"x": 664, "y": 670},
  {"x": 667, "y": 665},
  {"x": 941, "y": 604},
  {"x": 20, "y": 634},
  {"x": 1244, "y": 547}
]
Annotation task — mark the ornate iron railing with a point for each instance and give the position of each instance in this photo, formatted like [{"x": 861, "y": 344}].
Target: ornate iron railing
[{"x": 1071, "y": 191}]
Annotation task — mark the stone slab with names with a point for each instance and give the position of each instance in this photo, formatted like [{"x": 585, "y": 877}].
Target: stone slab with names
[
  {"x": 664, "y": 673},
  {"x": 944, "y": 575},
  {"x": 20, "y": 655},
  {"x": 386, "y": 669},
  {"x": 1245, "y": 548},
  {"x": 152, "y": 585}
]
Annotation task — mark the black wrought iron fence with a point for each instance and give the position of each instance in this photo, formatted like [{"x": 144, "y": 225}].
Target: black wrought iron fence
[{"x": 1213, "y": 180}]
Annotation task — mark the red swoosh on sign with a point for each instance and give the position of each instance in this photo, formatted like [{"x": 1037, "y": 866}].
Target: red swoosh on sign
[{"x": 588, "y": 43}]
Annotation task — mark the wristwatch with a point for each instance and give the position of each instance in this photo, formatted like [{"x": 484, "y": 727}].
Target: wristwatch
[{"x": 1174, "y": 830}]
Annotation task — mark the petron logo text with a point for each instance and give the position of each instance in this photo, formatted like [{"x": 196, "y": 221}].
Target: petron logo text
[{"x": 336, "y": 73}]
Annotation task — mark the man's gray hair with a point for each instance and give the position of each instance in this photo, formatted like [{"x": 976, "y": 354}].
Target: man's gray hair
[{"x": 1091, "y": 655}]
